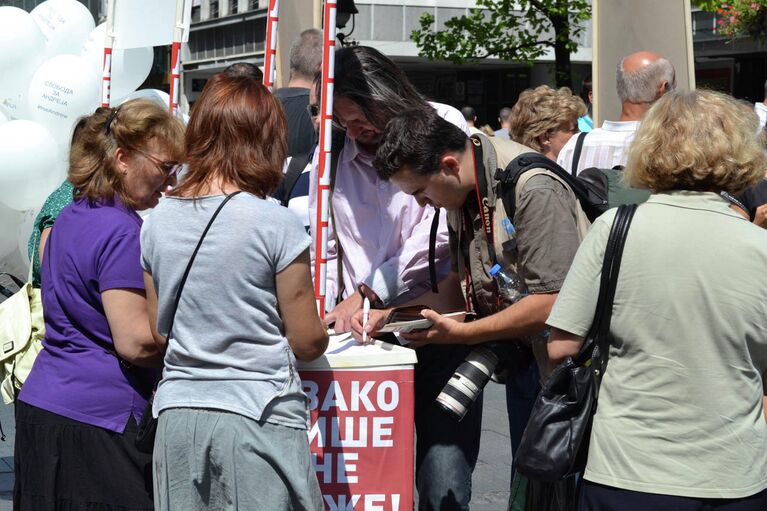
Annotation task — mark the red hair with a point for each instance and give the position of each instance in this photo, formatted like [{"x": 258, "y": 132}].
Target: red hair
[{"x": 237, "y": 134}]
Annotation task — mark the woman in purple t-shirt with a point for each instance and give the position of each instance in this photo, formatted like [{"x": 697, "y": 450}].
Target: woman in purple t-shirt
[{"x": 77, "y": 414}]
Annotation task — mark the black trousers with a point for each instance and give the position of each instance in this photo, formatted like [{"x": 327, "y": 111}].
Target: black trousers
[
  {"x": 597, "y": 497},
  {"x": 65, "y": 465}
]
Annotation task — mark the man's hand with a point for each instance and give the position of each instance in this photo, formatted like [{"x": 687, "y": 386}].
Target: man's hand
[
  {"x": 760, "y": 217},
  {"x": 343, "y": 312},
  {"x": 443, "y": 331},
  {"x": 376, "y": 321}
]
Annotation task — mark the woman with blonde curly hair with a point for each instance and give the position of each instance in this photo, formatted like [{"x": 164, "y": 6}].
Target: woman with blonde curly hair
[
  {"x": 544, "y": 119},
  {"x": 681, "y": 419}
]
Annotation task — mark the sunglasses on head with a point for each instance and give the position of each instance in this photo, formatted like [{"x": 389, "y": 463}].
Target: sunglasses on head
[{"x": 314, "y": 110}]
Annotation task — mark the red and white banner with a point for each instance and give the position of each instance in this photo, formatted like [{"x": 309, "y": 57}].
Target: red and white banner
[{"x": 361, "y": 437}]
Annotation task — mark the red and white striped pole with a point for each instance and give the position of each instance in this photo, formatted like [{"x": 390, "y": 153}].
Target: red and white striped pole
[
  {"x": 175, "y": 58},
  {"x": 270, "y": 55},
  {"x": 106, "y": 68},
  {"x": 326, "y": 136}
]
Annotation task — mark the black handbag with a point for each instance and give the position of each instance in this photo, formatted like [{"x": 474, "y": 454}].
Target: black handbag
[
  {"x": 147, "y": 427},
  {"x": 555, "y": 443}
]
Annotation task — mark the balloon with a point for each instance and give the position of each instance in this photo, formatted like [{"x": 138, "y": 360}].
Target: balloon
[
  {"x": 22, "y": 48},
  {"x": 129, "y": 67},
  {"x": 63, "y": 89},
  {"x": 24, "y": 231},
  {"x": 9, "y": 221},
  {"x": 30, "y": 165},
  {"x": 65, "y": 24},
  {"x": 160, "y": 97}
]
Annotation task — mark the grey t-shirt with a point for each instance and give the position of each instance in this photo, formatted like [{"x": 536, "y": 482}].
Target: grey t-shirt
[{"x": 228, "y": 350}]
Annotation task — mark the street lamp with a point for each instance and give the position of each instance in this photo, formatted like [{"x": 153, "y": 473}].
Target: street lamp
[{"x": 344, "y": 10}]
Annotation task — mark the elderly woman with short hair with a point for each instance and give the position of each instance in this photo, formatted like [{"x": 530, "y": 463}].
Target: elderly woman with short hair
[
  {"x": 680, "y": 423},
  {"x": 544, "y": 119}
]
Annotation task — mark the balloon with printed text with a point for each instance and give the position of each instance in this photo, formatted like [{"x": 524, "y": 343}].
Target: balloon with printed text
[
  {"x": 63, "y": 89},
  {"x": 65, "y": 24}
]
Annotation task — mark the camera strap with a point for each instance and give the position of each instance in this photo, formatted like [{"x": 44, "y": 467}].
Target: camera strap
[{"x": 486, "y": 212}]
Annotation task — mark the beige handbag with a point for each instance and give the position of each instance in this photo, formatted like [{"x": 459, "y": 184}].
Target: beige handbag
[{"x": 22, "y": 329}]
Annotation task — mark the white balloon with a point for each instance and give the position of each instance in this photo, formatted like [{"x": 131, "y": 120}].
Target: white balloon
[
  {"x": 65, "y": 25},
  {"x": 22, "y": 49},
  {"x": 9, "y": 221},
  {"x": 129, "y": 67},
  {"x": 30, "y": 165},
  {"x": 63, "y": 89},
  {"x": 160, "y": 97}
]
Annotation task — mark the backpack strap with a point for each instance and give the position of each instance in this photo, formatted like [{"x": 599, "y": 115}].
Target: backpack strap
[
  {"x": 523, "y": 163},
  {"x": 295, "y": 169},
  {"x": 577, "y": 153},
  {"x": 432, "y": 252}
]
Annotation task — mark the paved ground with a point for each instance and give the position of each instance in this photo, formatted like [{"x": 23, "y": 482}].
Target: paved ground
[
  {"x": 491, "y": 477},
  {"x": 6, "y": 458}
]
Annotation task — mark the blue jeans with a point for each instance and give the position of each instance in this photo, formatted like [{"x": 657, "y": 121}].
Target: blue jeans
[
  {"x": 522, "y": 387},
  {"x": 446, "y": 450}
]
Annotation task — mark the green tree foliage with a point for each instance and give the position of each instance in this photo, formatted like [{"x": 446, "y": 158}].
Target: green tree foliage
[
  {"x": 519, "y": 30},
  {"x": 708, "y": 5}
]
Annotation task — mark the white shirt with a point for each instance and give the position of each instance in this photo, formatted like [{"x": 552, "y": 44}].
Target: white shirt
[
  {"x": 603, "y": 147},
  {"x": 761, "y": 111}
]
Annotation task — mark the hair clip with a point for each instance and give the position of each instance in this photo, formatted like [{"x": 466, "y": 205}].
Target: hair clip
[{"x": 108, "y": 125}]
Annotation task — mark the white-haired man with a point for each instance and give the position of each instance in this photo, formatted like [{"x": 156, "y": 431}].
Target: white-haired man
[{"x": 642, "y": 78}]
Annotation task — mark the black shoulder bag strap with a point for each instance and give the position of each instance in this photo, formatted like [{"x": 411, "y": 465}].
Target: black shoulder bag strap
[
  {"x": 577, "y": 153},
  {"x": 596, "y": 347},
  {"x": 189, "y": 265}
]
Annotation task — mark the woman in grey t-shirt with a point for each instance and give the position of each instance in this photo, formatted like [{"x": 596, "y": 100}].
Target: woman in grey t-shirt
[
  {"x": 680, "y": 423},
  {"x": 232, "y": 415}
]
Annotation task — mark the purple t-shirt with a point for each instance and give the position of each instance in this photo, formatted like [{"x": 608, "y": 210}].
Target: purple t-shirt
[{"x": 92, "y": 248}]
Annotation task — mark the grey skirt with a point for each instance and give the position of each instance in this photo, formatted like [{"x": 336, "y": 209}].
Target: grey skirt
[{"x": 213, "y": 460}]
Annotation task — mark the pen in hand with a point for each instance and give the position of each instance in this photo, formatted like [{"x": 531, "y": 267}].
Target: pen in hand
[{"x": 365, "y": 314}]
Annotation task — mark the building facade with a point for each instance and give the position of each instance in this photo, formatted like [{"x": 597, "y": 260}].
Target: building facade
[{"x": 227, "y": 31}]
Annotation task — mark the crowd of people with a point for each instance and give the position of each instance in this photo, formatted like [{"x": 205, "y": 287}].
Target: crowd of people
[{"x": 208, "y": 303}]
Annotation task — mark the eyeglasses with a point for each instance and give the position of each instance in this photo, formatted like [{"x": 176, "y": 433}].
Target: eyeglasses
[
  {"x": 314, "y": 110},
  {"x": 169, "y": 168}
]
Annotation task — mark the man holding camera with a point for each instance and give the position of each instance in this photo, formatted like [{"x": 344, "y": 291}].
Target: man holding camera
[
  {"x": 381, "y": 239},
  {"x": 440, "y": 166}
]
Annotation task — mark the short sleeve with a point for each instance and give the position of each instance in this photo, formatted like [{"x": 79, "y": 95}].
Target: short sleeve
[
  {"x": 118, "y": 266},
  {"x": 146, "y": 246},
  {"x": 577, "y": 300},
  {"x": 290, "y": 239},
  {"x": 547, "y": 234}
]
